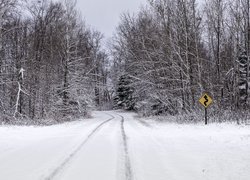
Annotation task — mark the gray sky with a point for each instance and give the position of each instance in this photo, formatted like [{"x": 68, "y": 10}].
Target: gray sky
[{"x": 104, "y": 15}]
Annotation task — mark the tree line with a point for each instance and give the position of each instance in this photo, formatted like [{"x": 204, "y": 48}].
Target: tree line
[
  {"x": 52, "y": 65},
  {"x": 172, "y": 51}
]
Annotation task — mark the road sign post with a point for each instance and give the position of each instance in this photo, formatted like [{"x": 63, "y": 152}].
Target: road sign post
[
  {"x": 206, "y": 100},
  {"x": 206, "y": 121}
]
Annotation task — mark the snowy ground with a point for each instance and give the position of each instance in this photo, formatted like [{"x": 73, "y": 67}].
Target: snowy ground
[{"x": 118, "y": 146}]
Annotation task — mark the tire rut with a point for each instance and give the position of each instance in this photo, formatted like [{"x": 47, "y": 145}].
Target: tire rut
[
  {"x": 128, "y": 167},
  {"x": 56, "y": 171}
]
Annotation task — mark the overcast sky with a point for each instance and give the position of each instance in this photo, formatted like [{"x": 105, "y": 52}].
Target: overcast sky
[{"x": 104, "y": 15}]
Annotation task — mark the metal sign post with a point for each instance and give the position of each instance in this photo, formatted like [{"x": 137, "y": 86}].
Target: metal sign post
[{"x": 206, "y": 121}]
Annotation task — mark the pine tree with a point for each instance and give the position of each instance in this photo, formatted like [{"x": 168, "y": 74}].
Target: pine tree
[{"x": 125, "y": 98}]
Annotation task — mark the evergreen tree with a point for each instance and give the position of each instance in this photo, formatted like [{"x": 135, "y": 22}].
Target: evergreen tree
[{"x": 125, "y": 98}]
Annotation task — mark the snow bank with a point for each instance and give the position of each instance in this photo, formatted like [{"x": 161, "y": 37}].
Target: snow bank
[{"x": 182, "y": 152}]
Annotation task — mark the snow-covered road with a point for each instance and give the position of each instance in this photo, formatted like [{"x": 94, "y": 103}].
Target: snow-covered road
[{"x": 118, "y": 146}]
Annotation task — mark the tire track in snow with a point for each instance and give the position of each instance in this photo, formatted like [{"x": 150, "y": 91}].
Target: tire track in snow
[
  {"x": 58, "y": 169},
  {"x": 128, "y": 167}
]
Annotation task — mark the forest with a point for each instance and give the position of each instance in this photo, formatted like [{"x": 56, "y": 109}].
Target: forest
[{"x": 160, "y": 61}]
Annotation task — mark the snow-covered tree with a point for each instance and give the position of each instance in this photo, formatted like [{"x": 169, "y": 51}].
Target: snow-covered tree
[
  {"x": 60, "y": 55},
  {"x": 243, "y": 79},
  {"x": 125, "y": 97}
]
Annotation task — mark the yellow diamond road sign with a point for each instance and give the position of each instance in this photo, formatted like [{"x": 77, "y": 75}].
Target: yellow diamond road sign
[{"x": 206, "y": 100}]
